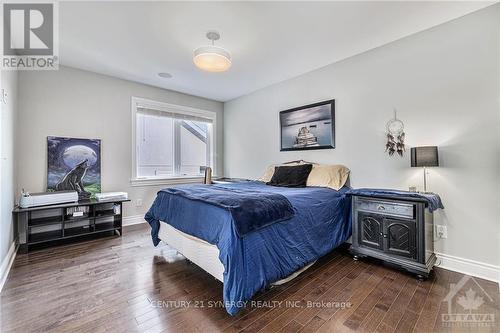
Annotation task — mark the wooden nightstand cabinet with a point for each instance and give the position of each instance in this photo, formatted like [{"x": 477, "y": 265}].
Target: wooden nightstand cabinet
[{"x": 398, "y": 230}]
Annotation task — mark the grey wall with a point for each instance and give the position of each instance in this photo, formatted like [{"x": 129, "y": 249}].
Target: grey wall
[
  {"x": 498, "y": 132},
  {"x": 444, "y": 82},
  {"x": 76, "y": 103},
  {"x": 8, "y": 115}
]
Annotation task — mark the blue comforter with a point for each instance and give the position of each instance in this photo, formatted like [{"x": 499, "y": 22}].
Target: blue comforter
[
  {"x": 321, "y": 223},
  {"x": 250, "y": 209}
]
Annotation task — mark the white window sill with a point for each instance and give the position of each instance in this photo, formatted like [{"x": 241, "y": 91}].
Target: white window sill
[{"x": 165, "y": 181}]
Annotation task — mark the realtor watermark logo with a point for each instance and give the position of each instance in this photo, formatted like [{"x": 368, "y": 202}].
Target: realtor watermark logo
[
  {"x": 469, "y": 305},
  {"x": 30, "y": 35}
]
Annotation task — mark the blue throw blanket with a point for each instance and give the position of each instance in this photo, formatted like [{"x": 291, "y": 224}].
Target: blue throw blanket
[
  {"x": 432, "y": 200},
  {"x": 250, "y": 209}
]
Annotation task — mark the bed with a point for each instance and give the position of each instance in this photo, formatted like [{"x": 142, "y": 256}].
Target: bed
[{"x": 250, "y": 260}]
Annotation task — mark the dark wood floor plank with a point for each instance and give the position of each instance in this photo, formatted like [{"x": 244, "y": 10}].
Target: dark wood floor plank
[
  {"x": 354, "y": 296},
  {"x": 115, "y": 285},
  {"x": 295, "y": 286},
  {"x": 419, "y": 297},
  {"x": 292, "y": 327},
  {"x": 282, "y": 316},
  {"x": 355, "y": 320},
  {"x": 373, "y": 319},
  {"x": 337, "y": 293},
  {"x": 313, "y": 325},
  {"x": 427, "y": 318},
  {"x": 396, "y": 310},
  {"x": 488, "y": 307},
  {"x": 407, "y": 322},
  {"x": 383, "y": 328}
]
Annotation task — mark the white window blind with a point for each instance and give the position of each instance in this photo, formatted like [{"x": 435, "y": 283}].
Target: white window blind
[{"x": 172, "y": 143}]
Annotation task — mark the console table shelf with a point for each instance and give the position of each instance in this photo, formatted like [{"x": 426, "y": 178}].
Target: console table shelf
[{"x": 53, "y": 223}]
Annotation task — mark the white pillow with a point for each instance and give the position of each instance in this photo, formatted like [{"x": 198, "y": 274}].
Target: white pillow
[{"x": 332, "y": 176}]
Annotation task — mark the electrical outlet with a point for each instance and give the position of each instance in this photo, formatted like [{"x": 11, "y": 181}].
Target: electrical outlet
[
  {"x": 441, "y": 231},
  {"x": 138, "y": 203}
]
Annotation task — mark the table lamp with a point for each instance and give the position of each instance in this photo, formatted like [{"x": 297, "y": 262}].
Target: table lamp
[{"x": 424, "y": 157}]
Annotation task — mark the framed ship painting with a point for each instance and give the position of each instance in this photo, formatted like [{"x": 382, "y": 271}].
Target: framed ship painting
[
  {"x": 74, "y": 164},
  {"x": 308, "y": 127}
]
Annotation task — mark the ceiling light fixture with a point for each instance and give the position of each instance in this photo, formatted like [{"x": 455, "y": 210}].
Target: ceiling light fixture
[{"x": 212, "y": 58}]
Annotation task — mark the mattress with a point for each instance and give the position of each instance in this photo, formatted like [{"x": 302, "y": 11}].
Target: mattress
[
  {"x": 196, "y": 250},
  {"x": 204, "y": 254}
]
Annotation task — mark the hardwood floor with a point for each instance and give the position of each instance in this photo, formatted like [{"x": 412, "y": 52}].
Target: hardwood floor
[{"x": 126, "y": 285}]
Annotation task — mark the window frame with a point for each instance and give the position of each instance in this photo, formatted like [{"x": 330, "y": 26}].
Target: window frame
[{"x": 139, "y": 102}]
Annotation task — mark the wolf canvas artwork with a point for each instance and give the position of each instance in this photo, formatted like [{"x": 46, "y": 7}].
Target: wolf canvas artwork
[{"x": 74, "y": 164}]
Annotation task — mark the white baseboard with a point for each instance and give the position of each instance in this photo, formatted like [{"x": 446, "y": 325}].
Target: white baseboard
[
  {"x": 131, "y": 220},
  {"x": 7, "y": 264},
  {"x": 469, "y": 267}
]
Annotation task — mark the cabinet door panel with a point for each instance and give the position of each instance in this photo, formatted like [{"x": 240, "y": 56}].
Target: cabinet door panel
[
  {"x": 400, "y": 238},
  {"x": 370, "y": 231}
]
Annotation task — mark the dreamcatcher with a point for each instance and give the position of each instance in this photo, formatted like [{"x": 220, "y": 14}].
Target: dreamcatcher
[{"x": 395, "y": 136}]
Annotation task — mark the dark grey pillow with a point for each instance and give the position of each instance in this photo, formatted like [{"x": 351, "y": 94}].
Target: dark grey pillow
[{"x": 291, "y": 176}]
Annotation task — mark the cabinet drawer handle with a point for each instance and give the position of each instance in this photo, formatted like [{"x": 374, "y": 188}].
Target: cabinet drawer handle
[
  {"x": 380, "y": 207},
  {"x": 385, "y": 235}
]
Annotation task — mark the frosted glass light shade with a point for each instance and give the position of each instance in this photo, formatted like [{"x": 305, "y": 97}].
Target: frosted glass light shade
[{"x": 212, "y": 59}]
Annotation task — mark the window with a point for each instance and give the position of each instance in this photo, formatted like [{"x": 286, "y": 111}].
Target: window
[{"x": 171, "y": 142}]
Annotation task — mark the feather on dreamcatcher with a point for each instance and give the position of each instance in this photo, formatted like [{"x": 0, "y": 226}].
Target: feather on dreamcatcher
[{"x": 395, "y": 137}]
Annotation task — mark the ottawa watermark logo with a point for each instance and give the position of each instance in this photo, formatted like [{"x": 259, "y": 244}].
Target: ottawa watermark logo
[
  {"x": 469, "y": 305},
  {"x": 29, "y": 35}
]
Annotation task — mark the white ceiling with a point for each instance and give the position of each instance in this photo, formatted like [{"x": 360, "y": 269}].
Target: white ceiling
[{"x": 269, "y": 41}]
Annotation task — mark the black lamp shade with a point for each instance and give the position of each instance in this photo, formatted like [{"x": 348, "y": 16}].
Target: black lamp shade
[{"x": 424, "y": 156}]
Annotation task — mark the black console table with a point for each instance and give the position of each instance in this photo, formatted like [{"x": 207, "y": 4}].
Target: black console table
[{"x": 53, "y": 223}]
